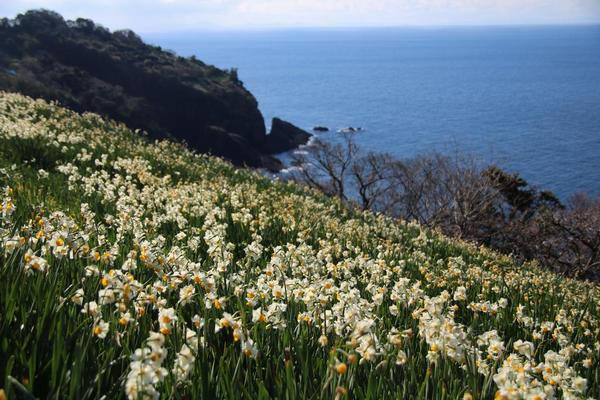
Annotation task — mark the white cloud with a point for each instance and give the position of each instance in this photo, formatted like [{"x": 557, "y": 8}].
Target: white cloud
[{"x": 170, "y": 15}]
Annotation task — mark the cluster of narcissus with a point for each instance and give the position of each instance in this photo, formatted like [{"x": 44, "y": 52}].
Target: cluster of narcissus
[{"x": 171, "y": 274}]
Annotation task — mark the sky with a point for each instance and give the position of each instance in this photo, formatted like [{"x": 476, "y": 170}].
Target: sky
[{"x": 154, "y": 16}]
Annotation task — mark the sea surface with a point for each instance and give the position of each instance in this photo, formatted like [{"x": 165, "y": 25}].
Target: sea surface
[{"x": 524, "y": 98}]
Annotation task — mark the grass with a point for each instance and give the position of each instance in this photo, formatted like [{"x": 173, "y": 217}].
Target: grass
[{"x": 218, "y": 283}]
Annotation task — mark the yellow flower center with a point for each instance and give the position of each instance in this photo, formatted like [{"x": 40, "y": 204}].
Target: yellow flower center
[
  {"x": 341, "y": 368},
  {"x": 165, "y": 331},
  {"x": 499, "y": 396}
]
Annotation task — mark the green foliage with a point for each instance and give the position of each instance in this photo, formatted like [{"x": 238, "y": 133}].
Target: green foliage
[{"x": 322, "y": 258}]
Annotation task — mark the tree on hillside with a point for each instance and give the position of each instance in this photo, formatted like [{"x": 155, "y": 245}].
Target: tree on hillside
[{"x": 463, "y": 199}]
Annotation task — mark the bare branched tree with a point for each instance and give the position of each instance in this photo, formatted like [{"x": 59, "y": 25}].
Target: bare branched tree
[
  {"x": 327, "y": 166},
  {"x": 446, "y": 192},
  {"x": 571, "y": 237},
  {"x": 371, "y": 179}
]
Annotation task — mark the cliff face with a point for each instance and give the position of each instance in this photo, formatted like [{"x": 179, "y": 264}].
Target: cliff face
[{"x": 87, "y": 68}]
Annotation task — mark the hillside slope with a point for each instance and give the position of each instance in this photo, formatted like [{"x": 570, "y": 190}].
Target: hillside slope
[
  {"x": 138, "y": 270},
  {"x": 88, "y": 68}
]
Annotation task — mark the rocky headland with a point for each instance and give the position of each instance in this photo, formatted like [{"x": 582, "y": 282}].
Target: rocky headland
[{"x": 86, "y": 67}]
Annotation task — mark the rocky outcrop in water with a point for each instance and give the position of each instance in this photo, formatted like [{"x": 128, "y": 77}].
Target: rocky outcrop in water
[{"x": 284, "y": 136}]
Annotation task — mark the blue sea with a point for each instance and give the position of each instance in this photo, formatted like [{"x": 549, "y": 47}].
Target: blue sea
[{"x": 524, "y": 98}]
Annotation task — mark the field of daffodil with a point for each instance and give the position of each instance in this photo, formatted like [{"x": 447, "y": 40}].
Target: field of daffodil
[{"x": 139, "y": 270}]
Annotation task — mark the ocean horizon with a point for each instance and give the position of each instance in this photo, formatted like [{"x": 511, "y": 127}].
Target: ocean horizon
[{"x": 526, "y": 98}]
